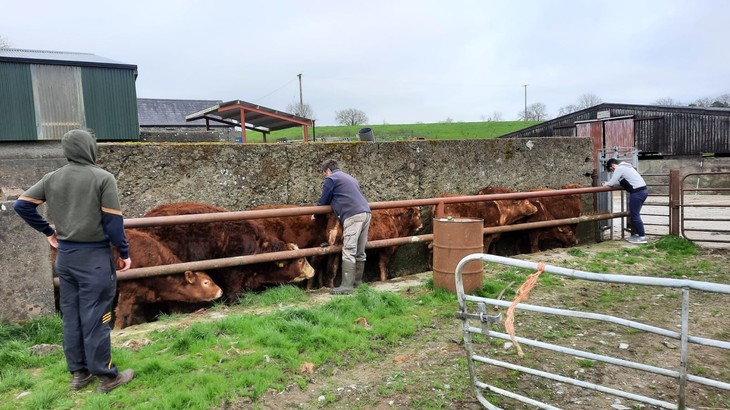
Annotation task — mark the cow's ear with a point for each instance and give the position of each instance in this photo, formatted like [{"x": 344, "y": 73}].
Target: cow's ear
[
  {"x": 280, "y": 264},
  {"x": 190, "y": 276}
]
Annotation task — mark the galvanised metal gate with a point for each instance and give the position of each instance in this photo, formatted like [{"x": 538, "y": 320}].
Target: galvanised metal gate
[
  {"x": 473, "y": 311},
  {"x": 706, "y": 217}
]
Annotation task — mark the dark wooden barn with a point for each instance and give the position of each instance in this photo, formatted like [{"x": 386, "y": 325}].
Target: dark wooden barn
[{"x": 656, "y": 131}]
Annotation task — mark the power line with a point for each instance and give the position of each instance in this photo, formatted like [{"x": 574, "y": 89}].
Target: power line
[{"x": 261, "y": 98}]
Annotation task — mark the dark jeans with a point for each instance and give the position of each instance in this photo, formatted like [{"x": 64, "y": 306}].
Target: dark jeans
[
  {"x": 88, "y": 284},
  {"x": 636, "y": 201}
]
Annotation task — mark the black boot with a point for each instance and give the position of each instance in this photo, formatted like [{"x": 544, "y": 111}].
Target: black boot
[
  {"x": 359, "y": 269},
  {"x": 348, "y": 278}
]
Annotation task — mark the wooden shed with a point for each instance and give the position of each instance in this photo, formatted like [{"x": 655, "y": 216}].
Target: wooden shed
[{"x": 656, "y": 131}]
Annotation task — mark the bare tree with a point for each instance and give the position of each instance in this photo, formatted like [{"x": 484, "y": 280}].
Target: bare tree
[
  {"x": 300, "y": 109},
  {"x": 668, "y": 101},
  {"x": 535, "y": 112},
  {"x": 568, "y": 109},
  {"x": 702, "y": 102},
  {"x": 588, "y": 100},
  {"x": 496, "y": 116},
  {"x": 351, "y": 116},
  {"x": 722, "y": 101},
  {"x": 584, "y": 101},
  {"x": 4, "y": 42}
]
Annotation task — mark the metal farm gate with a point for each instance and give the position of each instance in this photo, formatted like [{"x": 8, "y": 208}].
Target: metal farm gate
[
  {"x": 477, "y": 321},
  {"x": 695, "y": 206}
]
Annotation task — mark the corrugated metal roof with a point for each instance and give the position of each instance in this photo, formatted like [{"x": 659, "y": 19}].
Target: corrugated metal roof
[
  {"x": 155, "y": 112},
  {"x": 16, "y": 55}
]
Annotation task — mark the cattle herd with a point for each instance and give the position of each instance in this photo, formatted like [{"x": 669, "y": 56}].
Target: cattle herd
[{"x": 142, "y": 300}]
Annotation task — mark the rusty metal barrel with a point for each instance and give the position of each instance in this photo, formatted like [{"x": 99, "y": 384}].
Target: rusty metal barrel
[{"x": 454, "y": 238}]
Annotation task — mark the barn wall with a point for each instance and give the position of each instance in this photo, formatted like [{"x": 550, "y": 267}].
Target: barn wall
[{"x": 239, "y": 176}]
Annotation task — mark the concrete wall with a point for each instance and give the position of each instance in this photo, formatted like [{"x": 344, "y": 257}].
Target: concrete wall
[
  {"x": 188, "y": 134},
  {"x": 238, "y": 176},
  {"x": 26, "y": 289}
]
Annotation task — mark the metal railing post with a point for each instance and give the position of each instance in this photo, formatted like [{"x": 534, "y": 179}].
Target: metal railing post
[{"x": 683, "y": 349}]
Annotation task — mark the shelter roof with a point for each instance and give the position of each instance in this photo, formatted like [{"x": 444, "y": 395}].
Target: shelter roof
[{"x": 259, "y": 117}]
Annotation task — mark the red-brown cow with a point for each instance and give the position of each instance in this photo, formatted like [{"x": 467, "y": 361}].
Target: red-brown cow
[
  {"x": 384, "y": 224},
  {"x": 301, "y": 230},
  {"x": 194, "y": 242},
  {"x": 551, "y": 208},
  {"x": 141, "y": 300},
  {"x": 136, "y": 296},
  {"x": 495, "y": 213}
]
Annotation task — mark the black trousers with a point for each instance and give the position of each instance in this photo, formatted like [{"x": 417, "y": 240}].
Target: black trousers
[{"x": 88, "y": 285}]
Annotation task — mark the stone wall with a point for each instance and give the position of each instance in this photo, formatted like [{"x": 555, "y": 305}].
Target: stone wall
[{"x": 238, "y": 177}]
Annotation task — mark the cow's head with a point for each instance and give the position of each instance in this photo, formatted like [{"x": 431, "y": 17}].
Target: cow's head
[
  {"x": 283, "y": 271},
  {"x": 298, "y": 267},
  {"x": 189, "y": 287}
]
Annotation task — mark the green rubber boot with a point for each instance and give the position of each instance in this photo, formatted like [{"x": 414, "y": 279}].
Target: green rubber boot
[
  {"x": 359, "y": 269},
  {"x": 348, "y": 279}
]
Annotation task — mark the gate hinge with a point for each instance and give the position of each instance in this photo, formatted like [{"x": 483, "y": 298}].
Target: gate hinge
[{"x": 482, "y": 317}]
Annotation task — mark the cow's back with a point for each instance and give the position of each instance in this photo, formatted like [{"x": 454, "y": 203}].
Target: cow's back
[
  {"x": 200, "y": 241},
  {"x": 301, "y": 229}
]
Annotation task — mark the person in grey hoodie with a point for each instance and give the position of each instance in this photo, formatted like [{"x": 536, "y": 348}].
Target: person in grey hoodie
[
  {"x": 342, "y": 192},
  {"x": 83, "y": 203},
  {"x": 630, "y": 180}
]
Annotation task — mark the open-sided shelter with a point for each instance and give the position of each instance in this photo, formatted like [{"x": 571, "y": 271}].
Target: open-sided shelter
[{"x": 252, "y": 117}]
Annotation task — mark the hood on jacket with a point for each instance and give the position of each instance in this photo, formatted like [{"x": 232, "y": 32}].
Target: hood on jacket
[{"x": 79, "y": 146}]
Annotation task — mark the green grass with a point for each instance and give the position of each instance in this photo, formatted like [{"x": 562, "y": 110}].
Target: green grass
[
  {"x": 198, "y": 366},
  {"x": 399, "y": 132}
]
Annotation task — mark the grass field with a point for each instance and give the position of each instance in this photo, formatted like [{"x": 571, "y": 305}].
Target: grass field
[{"x": 399, "y": 132}]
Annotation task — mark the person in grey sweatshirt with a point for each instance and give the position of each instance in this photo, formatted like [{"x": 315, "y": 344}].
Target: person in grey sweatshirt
[
  {"x": 83, "y": 203},
  {"x": 630, "y": 180}
]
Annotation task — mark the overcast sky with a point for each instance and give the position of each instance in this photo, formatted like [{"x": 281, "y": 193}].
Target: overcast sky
[{"x": 400, "y": 62}]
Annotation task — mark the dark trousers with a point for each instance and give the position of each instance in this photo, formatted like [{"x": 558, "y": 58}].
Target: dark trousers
[
  {"x": 88, "y": 285},
  {"x": 636, "y": 201}
]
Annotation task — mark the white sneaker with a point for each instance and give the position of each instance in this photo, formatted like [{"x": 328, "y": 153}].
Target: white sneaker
[
  {"x": 632, "y": 237},
  {"x": 637, "y": 239}
]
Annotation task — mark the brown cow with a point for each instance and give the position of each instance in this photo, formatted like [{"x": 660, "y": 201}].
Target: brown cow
[
  {"x": 194, "y": 242},
  {"x": 141, "y": 300},
  {"x": 301, "y": 230},
  {"x": 135, "y": 295},
  {"x": 384, "y": 224},
  {"x": 551, "y": 208},
  {"x": 495, "y": 213}
]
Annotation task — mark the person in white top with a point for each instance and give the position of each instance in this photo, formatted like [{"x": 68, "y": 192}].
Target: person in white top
[{"x": 630, "y": 180}]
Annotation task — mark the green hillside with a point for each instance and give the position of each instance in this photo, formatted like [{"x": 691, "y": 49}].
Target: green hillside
[{"x": 399, "y": 132}]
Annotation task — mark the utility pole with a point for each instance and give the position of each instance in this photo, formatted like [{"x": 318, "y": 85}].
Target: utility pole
[
  {"x": 301, "y": 103},
  {"x": 301, "y": 100},
  {"x": 525, "y": 85}
]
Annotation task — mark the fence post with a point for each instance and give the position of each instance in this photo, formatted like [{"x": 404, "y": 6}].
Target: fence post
[{"x": 675, "y": 198}]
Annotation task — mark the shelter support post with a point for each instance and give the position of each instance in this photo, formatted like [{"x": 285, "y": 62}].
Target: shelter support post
[
  {"x": 243, "y": 126},
  {"x": 675, "y": 201}
]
